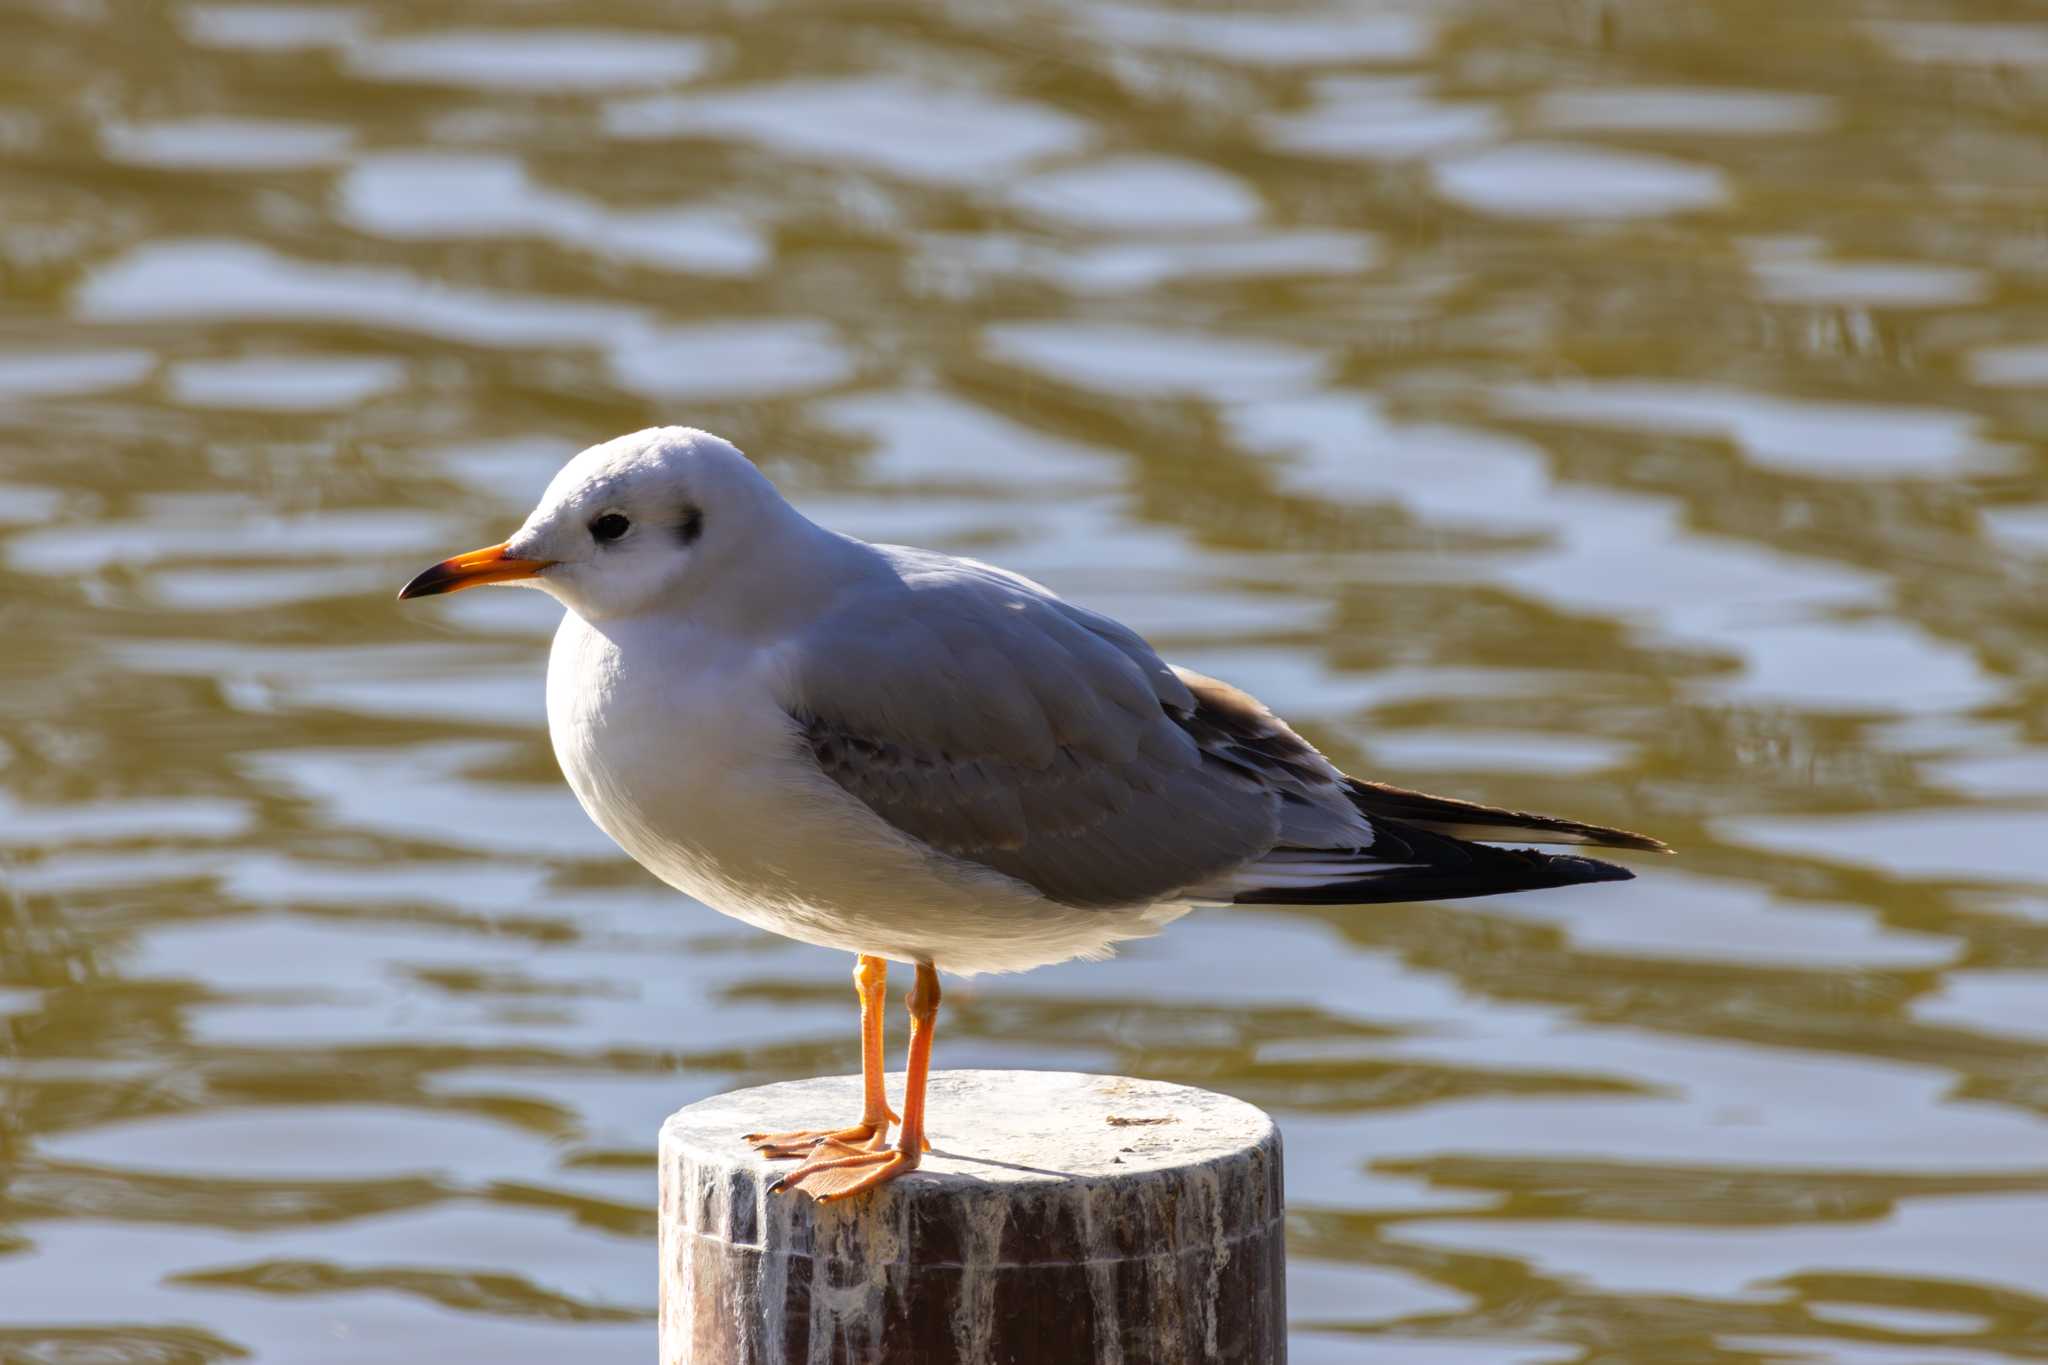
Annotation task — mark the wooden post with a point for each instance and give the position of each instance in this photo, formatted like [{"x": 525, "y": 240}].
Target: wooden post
[{"x": 1060, "y": 1219}]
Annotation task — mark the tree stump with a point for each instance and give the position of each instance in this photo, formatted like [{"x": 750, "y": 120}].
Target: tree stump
[{"x": 1059, "y": 1219}]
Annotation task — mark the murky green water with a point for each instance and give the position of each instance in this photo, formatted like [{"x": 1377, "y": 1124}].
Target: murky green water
[{"x": 1629, "y": 410}]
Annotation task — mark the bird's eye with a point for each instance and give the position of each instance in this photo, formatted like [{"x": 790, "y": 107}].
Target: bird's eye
[{"x": 610, "y": 526}]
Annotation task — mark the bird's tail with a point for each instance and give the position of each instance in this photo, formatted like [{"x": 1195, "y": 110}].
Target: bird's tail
[
  {"x": 1408, "y": 863},
  {"x": 1470, "y": 820}
]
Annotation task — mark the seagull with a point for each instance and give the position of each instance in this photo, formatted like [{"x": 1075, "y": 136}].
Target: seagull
[{"x": 929, "y": 760}]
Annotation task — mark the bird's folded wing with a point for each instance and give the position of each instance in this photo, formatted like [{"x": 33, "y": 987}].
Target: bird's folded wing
[{"x": 996, "y": 724}]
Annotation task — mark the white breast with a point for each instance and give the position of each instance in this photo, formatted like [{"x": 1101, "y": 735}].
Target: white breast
[{"x": 677, "y": 747}]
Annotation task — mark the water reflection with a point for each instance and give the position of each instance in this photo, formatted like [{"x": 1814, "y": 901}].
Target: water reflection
[
  {"x": 933, "y": 133},
  {"x": 1633, "y": 413},
  {"x": 1560, "y": 180},
  {"x": 218, "y": 144},
  {"x": 438, "y": 197},
  {"x": 1844, "y": 440},
  {"x": 220, "y": 281},
  {"x": 540, "y": 60},
  {"x": 283, "y": 384},
  {"x": 1380, "y": 118}
]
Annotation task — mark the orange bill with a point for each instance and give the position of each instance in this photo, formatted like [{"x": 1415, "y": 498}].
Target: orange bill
[{"x": 488, "y": 565}]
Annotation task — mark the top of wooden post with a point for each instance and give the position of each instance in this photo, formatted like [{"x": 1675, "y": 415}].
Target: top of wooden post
[{"x": 1059, "y": 1216}]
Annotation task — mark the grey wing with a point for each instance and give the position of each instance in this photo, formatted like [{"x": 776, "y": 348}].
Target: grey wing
[
  {"x": 979, "y": 714},
  {"x": 993, "y": 722}
]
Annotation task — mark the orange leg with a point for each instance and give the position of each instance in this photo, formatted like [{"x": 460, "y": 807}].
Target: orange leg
[
  {"x": 839, "y": 1169},
  {"x": 871, "y": 979}
]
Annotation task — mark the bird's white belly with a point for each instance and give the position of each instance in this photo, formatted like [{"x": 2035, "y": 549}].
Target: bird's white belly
[{"x": 678, "y": 749}]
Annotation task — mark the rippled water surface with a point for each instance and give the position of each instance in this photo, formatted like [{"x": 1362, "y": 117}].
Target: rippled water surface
[{"x": 1635, "y": 411}]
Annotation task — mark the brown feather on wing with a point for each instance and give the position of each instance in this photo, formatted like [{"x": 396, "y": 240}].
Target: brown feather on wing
[{"x": 1235, "y": 728}]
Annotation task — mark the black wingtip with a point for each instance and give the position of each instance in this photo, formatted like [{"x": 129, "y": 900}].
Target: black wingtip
[
  {"x": 1444, "y": 869},
  {"x": 1470, "y": 820},
  {"x": 1572, "y": 870}
]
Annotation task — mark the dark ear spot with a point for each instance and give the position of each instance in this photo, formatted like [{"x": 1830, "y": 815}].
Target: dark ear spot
[{"x": 690, "y": 525}]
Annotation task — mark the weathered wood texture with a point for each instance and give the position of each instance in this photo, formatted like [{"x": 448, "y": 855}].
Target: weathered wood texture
[{"x": 1061, "y": 1219}]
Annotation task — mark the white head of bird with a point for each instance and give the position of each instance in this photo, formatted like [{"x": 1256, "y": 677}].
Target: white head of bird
[{"x": 648, "y": 521}]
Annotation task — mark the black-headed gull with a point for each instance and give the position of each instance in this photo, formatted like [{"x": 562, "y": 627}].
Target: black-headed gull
[{"x": 929, "y": 760}]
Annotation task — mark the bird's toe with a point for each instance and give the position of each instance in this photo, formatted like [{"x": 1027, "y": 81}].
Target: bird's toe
[
  {"x": 806, "y": 1141},
  {"x": 837, "y": 1170}
]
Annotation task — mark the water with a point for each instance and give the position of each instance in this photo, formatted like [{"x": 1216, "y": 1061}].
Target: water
[{"x": 1629, "y": 411}]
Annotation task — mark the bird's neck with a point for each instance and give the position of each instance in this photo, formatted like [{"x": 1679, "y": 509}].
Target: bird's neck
[{"x": 792, "y": 574}]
